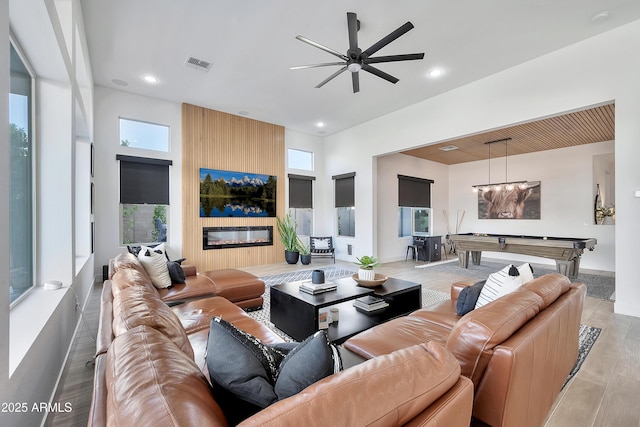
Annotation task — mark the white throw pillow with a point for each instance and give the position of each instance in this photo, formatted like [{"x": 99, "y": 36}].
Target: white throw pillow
[
  {"x": 499, "y": 284},
  {"x": 155, "y": 264},
  {"x": 321, "y": 243},
  {"x": 526, "y": 272}
]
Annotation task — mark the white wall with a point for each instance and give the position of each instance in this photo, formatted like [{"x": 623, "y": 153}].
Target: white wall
[
  {"x": 110, "y": 105},
  {"x": 390, "y": 246},
  {"x": 596, "y": 71}
]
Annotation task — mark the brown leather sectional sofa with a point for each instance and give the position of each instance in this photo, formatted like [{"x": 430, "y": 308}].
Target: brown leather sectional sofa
[
  {"x": 151, "y": 371},
  {"x": 517, "y": 350}
]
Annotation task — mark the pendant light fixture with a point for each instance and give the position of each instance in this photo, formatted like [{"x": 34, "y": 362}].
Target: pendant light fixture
[{"x": 507, "y": 185}]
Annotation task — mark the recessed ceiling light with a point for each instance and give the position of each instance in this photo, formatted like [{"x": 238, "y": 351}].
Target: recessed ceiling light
[
  {"x": 320, "y": 124},
  {"x": 119, "y": 82},
  {"x": 600, "y": 16},
  {"x": 448, "y": 148},
  {"x": 436, "y": 72},
  {"x": 149, "y": 78}
]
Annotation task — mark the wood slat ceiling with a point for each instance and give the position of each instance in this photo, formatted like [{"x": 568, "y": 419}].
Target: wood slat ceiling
[{"x": 577, "y": 128}]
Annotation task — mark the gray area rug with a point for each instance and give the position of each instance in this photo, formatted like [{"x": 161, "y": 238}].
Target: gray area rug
[{"x": 598, "y": 286}]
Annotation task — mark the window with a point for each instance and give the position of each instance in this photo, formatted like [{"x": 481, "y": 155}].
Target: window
[
  {"x": 414, "y": 203},
  {"x": 299, "y": 159},
  {"x": 148, "y": 136},
  {"x": 301, "y": 202},
  {"x": 144, "y": 199},
  {"x": 21, "y": 262},
  {"x": 345, "y": 204}
]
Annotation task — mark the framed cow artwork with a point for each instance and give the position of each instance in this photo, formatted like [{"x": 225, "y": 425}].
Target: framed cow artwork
[{"x": 519, "y": 202}]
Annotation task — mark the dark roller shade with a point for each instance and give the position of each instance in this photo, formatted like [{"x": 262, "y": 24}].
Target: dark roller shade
[
  {"x": 345, "y": 190},
  {"x": 144, "y": 180},
  {"x": 414, "y": 192},
  {"x": 301, "y": 191}
]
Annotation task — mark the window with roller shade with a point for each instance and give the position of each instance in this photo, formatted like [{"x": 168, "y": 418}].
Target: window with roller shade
[
  {"x": 144, "y": 199},
  {"x": 414, "y": 206},
  {"x": 345, "y": 203},
  {"x": 301, "y": 202}
]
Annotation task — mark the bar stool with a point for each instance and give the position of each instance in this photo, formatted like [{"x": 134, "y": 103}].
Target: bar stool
[{"x": 414, "y": 251}]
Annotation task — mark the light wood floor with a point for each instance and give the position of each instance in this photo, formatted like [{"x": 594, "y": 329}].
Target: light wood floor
[{"x": 603, "y": 393}]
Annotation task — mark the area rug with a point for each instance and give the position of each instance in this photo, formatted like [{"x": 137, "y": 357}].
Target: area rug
[
  {"x": 598, "y": 286},
  {"x": 586, "y": 339}
]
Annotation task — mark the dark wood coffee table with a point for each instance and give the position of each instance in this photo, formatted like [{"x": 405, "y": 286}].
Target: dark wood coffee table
[{"x": 296, "y": 312}]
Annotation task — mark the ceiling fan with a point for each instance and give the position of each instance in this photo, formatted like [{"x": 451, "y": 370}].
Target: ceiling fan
[{"x": 357, "y": 59}]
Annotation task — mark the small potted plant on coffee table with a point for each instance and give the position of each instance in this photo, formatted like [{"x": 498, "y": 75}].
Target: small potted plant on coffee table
[{"x": 366, "y": 264}]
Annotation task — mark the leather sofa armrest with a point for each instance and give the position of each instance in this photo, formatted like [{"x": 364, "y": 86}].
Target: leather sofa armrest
[{"x": 190, "y": 270}]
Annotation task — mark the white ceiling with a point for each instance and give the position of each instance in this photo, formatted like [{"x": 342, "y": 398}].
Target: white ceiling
[{"x": 252, "y": 45}]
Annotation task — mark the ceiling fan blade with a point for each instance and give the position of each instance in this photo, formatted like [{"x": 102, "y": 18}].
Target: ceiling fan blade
[
  {"x": 379, "y": 73},
  {"x": 393, "y": 58},
  {"x": 388, "y": 39},
  {"x": 322, "y": 47},
  {"x": 326, "y": 64},
  {"x": 352, "y": 25},
  {"x": 331, "y": 77},
  {"x": 355, "y": 79}
]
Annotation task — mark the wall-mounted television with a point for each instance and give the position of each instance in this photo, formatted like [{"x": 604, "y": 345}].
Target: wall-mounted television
[{"x": 236, "y": 194}]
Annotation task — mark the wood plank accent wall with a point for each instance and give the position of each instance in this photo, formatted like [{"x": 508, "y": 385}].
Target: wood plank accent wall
[{"x": 215, "y": 140}]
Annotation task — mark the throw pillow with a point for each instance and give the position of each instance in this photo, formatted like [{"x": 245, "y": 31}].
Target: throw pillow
[
  {"x": 155, "y": 264},
  {"x": 251, "y": 375},
  {"x": 468, "y": 298},
  {"x": 321, "y": 243},
  {"x": 498, "y": 284},
  {"x": 526, "y": 272},
  {"x": 241, "y": 364},
  {"x": 176, "y": 272},
  {"x": 313, "y": 359}
]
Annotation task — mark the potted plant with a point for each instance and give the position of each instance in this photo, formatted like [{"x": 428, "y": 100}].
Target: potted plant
[
  {"x": 603, "y": 213},
  {"x": 289, "y": 238},
  {"x": 305, "y": 252},
  {"x": 366, "y": 264}
]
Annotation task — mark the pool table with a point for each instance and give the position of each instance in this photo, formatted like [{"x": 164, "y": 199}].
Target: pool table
[{"x": 564, "y": 250}]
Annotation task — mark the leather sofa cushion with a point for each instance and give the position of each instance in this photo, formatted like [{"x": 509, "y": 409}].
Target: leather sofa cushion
[
  {"x": 549, "y": 287},
  {"x": 152, "y": 382},
  {"x": 195, "y": 286},
  {"x": 129, "y": 277},
  {"x": 476, "y": 334},
  {"x": 137, "y": 305},
  {"x": 235, "y": 285},
  {"x": 396, "y": 334},
  {"x": 126, "y": 261},
  {"x": 370, "y": 393}
]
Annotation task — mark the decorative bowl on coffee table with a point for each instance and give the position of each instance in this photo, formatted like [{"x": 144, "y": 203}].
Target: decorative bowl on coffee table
[{"x": 377, "y": 281}]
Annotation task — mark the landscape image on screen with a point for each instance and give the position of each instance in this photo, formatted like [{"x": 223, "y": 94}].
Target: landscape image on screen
[{"x": 236, "y": 194}]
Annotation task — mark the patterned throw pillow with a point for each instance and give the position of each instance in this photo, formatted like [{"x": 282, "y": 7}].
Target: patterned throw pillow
[
  {"x": 498, "y": 284},
  {"x": 248, "y": 375}
]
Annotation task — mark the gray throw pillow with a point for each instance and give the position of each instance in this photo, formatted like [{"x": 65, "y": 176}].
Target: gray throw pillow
[{"x": 468, "y": 298}]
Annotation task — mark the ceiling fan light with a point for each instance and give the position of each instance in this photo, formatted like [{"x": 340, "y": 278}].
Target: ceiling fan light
[{"x": 354, "y": 67}]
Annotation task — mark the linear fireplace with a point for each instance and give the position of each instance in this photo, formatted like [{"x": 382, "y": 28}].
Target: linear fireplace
[{"x": 236, "y": 237}]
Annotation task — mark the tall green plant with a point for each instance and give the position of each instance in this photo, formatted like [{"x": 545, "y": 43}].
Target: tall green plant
[{"x": 287, "y": 232}]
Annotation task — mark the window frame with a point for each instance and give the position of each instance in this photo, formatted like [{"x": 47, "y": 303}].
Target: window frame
[{"x": 32, "y": 120}]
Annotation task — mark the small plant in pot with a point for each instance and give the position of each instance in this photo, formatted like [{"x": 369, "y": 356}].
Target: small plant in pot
[
  {"x": 305, "y": 252},
  {"x": 366, "y": 264},
  {"x": 289, "y": 238}
]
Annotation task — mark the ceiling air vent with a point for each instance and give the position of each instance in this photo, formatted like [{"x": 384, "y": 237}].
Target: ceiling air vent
[
  {"x": 198, "y": 64},
  {"x": 449, "y": 148}
]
